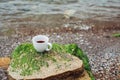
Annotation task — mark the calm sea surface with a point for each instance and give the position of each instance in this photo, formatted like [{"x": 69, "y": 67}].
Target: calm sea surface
[{"x": 97, "y": 9}]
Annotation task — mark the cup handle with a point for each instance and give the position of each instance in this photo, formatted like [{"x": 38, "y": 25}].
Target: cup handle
[{"x": 50, "y": 47}]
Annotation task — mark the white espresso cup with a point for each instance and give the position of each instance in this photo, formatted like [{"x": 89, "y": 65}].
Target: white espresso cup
[{"x": 41, "y": 44}]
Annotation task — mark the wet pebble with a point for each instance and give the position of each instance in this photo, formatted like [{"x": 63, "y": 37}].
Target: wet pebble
[{"x": 2, "y": 75}]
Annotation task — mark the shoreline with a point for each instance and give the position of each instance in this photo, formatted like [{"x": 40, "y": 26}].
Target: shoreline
[{"x": 95, "y": 40}]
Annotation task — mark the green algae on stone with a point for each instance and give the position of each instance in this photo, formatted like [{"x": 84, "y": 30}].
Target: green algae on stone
[
  {"x": 26, "y": 58},
  {"x": 116, "y": 35}
]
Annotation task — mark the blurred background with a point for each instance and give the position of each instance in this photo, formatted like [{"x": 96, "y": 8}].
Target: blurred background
[
  {"x": 88, "y": 23},
  {"x": 102, "y": 10}
]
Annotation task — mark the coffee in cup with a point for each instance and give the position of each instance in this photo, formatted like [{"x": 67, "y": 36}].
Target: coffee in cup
[{"x": 41, "y": 43}]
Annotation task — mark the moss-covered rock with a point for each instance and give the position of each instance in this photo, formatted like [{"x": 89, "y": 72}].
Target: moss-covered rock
[{"x": 25, "y": 57}]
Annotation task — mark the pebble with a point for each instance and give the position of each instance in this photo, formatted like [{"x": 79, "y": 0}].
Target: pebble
[
  {"x": 90, "y": 47},
  {"x": 103, "y": 60},
  {"x": 58, "y": 36},
  {"x": 66, "y": 25},
  {"x": 2, "y": 75},
  {"x": 84, "y": 27}
]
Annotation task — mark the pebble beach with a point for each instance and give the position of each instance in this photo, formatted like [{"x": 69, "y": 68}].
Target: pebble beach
[{"x": 93, "y": 36}]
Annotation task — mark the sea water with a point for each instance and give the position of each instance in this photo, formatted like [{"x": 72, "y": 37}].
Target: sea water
[{"x": 97, "y": 9}]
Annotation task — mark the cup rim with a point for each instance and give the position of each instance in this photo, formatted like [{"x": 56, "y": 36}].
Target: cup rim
[{"x": 47, "y": 39}]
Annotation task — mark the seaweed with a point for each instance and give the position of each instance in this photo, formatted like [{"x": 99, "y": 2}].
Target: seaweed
[
  {"x": 26, "y": 58},
  {"x": 76, "y": 51},
  {"x": 116, "y": 35}
]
